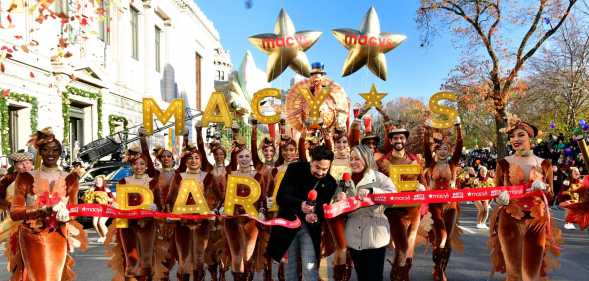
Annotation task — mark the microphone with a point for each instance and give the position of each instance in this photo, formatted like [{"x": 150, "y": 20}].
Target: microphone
[
  {"x": 345, "y": 183},
  {"x": 312, "y": 197}
]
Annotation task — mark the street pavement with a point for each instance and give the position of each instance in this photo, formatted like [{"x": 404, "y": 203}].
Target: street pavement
[{"x": 471, "y": 265}]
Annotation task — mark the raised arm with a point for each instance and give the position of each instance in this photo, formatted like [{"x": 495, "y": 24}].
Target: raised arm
[
  {"x": 458, "y": 148},
  {"x": 328, "y": 137},
  {"x": 302, "y": 147},
  {"x": 354, "y": 134},
  {"x": 206, "y": 165},
  {"x": 427, "y": 150},
  {"x": 255, "y": 157},
  {"x": 145, "y": 152}
]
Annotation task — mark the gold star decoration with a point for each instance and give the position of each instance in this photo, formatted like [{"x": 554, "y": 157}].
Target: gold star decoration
[
  {"x": 285, "y": 47},
  {"x": 367, "y": 46},
  {"x": 373, "y": 98}
]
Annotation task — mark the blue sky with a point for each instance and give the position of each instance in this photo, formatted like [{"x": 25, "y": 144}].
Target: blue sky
[{"x": 413, "y": 71}]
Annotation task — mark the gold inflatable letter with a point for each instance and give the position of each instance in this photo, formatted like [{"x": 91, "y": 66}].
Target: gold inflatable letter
[
  {"x": 247, "y": 202},
  {"x": 176, "y": 109},
  {"x": 217, "y": 111},
  {"x": 194, "y": 188},
  {"x": 122, "y": 199},
  {"x": 435, "y": 107},
  {"x": 258, "y": 97}
]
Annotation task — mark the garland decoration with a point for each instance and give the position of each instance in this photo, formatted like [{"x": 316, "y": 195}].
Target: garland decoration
[
  {"x": 4, "y": 115},
  {"x": 114, "y": 121},
  {"x": 65, "y": 103}
]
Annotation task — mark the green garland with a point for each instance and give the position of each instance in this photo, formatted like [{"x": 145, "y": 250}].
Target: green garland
[
  {"x": 114, "y": 120},
  {"x": 65, "y": 103},
  {"x": 4, "y": 116}
]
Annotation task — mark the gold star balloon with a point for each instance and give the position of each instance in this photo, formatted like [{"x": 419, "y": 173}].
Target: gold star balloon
[
  {"x": 373, "y": 98},
  {"x": 367, "y": 46},
  {"x": 285, "y": 47}
]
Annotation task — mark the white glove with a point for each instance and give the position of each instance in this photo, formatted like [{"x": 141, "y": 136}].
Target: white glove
[
  {"x": 538, "y": 185},
  {"x": 566, "y": 182},
  {"x": 114, "y": 205},
  {"x": 420, "y": 187},
  {"x": 220, "y": 210},
  {"x": 457, "y": 120},
  {"x": 503, "y": 198},
  {"x": 62, "y": 213},
  {"x": 153, "y": 207},
  {"x": 269, "y": 202},
  {"x": 428, "y": 123}
]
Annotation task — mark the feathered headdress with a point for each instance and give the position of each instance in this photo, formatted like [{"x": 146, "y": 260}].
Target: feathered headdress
[
  {"x": 513, "y": 122},
  {"x": 42, "y": 137}
]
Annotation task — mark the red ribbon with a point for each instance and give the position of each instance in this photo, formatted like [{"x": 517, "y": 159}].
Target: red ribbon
[
  {"x": 423, "y": 197},
  {"x": 98, "y": 210}
]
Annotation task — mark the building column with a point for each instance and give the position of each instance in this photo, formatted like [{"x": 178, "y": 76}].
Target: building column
[
  {"x": 148, "y": 48},
  {"x": 122, "y": 44}
]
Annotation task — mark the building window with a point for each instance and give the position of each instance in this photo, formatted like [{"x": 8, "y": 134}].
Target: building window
[
  {"x": 158, "y": 36},
  {"x": 135, "y": 33},
  {"x": 104, "y": 24}
]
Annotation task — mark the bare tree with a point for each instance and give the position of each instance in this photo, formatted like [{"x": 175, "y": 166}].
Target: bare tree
[
  {"x": 560, "y": 76},
  {"x": 489, "y": 26}
]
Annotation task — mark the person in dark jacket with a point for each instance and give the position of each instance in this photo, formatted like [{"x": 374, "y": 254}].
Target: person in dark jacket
[{"x": 292, "y": 199}]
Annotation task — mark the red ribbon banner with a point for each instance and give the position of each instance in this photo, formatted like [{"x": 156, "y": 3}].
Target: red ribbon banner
[
  {"x": 98, "y": 210},
  {"x": 423, "y": 197}
]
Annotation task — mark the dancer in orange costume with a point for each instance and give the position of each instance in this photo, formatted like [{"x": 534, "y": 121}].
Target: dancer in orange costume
[
  {"x": 441, "y": 173},
  {"x": 242, "y": 232},
  {"x": 165, "y": 251},
  {"x": 46, "y": 234},
  {"x": 521, "y": 234},
  {"x": 191, "y": 237},
  {"x": 216, "y": 253},
  {"x": 136, "y": 241},
  {"x": 342, "y": 268},
  {"x": 403, "y": 221},
  {"x": 578, "y": 210},
  {"x": 264, "y": 173}
]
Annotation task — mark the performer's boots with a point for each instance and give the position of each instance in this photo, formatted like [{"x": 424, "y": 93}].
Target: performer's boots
[
  {"x": 199, "y": 274},
  {"x": 395, "y": 271},
  {"x": 281, "y": 276},
  {"x": 222, "y": 270},
  {"x": 404, "y": 274},
  {"x": 440, "y": 258},
  {"x": 183, "y": 276},
  {"x": 268, "y": 272},
  {"x": 340, "y": 272},
  {"x": 239, "y": 276},
  {"x": 213, "y": 271}
]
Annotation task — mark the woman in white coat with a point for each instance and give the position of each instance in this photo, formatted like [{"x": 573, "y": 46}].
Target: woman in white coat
[{"x": 367, "y": 229}]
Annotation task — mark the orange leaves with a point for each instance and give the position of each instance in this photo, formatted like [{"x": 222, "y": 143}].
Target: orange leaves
[{"x": 5, "y": 92}]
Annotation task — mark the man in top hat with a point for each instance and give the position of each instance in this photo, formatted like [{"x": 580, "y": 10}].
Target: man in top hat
[
  {"x": 22, "y": 162},
  {"x": 403, "y": 221}
]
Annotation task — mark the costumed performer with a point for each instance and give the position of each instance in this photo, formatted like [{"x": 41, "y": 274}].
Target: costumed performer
[
  {"x": 521, "y": 234},
  {"x": 441, "y": 173},
  {"x": 47, "y": 233}
]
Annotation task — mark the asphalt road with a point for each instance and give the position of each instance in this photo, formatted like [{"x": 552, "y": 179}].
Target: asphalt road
[{"x": 471, "y": 265}]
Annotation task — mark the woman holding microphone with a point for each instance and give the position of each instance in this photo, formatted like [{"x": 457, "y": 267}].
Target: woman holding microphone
[{"x": 367, "y": 229}]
